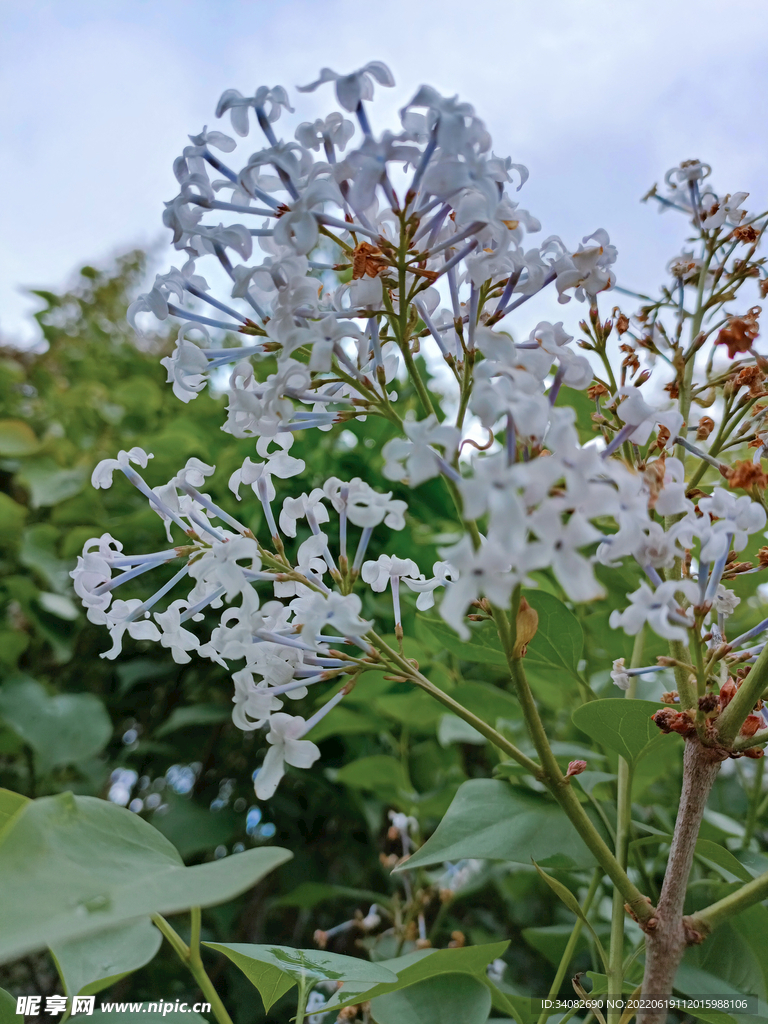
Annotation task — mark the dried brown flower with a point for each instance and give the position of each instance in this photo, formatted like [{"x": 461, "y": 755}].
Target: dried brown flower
[
  {"x": 750, "y": 377},
  {"x": 740, "y": 332},
  {"x": 746, "y": 234},
  {"x": 745, "y": 475},
  {"x": 368, "y": 261},
  {"x": 705, "y": 428}
]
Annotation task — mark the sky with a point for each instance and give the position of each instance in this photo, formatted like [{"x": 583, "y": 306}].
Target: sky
[{"x": 597, "y": 97}]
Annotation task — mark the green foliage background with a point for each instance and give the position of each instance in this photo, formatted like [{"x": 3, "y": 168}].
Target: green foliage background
[{"x": 72, "y": 721}]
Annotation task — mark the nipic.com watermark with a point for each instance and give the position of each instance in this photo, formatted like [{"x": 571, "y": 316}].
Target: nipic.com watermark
[{"x": 33, "y": 1006}]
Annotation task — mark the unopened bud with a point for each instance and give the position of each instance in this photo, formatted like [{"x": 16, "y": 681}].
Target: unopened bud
[
  {"x": 751, "y": 724},
  {"x": 727, "y": 692},
  {"x": 321, "y": 938},
  {"x": 458, "y": 940},
  {"x": 575, "y": 768},
  {"x": 527, "y": 624},
  {"x": 642, "y": 378}
]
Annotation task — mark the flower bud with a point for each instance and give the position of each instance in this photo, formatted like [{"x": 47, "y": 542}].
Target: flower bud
[
  {"x": 751, "y": 724},
  {"x": 527, "y": 624},
  {"x": 575, "y": 768}
]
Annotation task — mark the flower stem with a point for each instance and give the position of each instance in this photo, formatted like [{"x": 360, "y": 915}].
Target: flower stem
[
  {"x": 190, "y": 957},
  {"x": 570, "y": 947}
]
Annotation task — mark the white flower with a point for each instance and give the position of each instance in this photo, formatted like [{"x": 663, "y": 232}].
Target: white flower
[
  {"x": 287, "y": 747},
  {"x": 738, "y": 517},
  {"x": 364, "y": 506},
  {"x": 687, "y": 172},
  {"x": 656, "y": 608},
  {"x": 253, "y": 702},
  {"x": 335, "y": 129},
  {"x": 174, "y": 636},
  {"x": 485, "y": 572},
  {"x": 102, "y": 474},
  {"x": 341, "y": 613},
  {"x": 726, "y": 601},
  {"x": 218, "y": 565},
  {"x": 357, "y": 86},
  {"x": 421, "y": 461},
  {"x": 238, "y": 105},
  {"x": 117, "y": 620},
  {"x": 634, "y": 410},
  {"x": 388, "y": 567},
  {"x": 306, "y": 505},
  {"x": 278, "y": 464},
  {"x": 444, "y": 575}
]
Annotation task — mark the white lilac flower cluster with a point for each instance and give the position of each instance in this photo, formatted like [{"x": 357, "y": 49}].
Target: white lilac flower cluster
[
  {"x": 285, "y": 643},
  {"x": 434, "y": 249}
]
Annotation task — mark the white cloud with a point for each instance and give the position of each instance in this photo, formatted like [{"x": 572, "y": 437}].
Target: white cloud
[{"x": 599, "y": 98}]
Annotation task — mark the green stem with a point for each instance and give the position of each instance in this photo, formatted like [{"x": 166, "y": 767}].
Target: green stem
[
  {"x": 713, "y": 915},
  {"x": 560, "y": 787},
  {"x": 747, "y": 695},
  {"x": 501, "y": 742},
  {"x": 192, "y": 961},
  {"x": 754, "y": 803},
  {"x": 570, "y": 948},
  {"x": 623, "y": 827},
  {"x": 301, "y": 1007}
]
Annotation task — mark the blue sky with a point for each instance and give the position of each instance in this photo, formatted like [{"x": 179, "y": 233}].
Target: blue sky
[{"x": 597, "y": 97}]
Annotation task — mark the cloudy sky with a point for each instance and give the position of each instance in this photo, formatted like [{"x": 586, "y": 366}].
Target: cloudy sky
[{"x": 597, "y": 97}]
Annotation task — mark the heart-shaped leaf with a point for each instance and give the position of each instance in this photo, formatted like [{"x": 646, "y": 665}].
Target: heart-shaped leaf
[
  {"x": 491, "y": 820},
  {"x": 61, "y": 730},
  {"x": 74, "y": 865},
  {"x": 422, "y": 964},
  {"x": 274, "y": 970},
  {"x": 559, "y": 638},
  {"x": 622, "y": 725},
  {"x": 459, "y": 998},
  {"x": 96, "y": 961}
]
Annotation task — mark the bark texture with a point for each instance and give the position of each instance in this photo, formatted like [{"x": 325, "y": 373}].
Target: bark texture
[{"x": 667, "y": 938}]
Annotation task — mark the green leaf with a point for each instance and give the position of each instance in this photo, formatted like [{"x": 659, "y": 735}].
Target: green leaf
[
  {"x": 48, "y": 484},
  {"x": 710, "y": 851},
  {"x": 422, "y": 964},
  {"x": 551, "y": 940},
  {"x": 8, "y": 1009},
  {"x": 61, "y": 730},
  {"x": 484, "y": 647},
  {"x": 453, "y": 729},
  {"x": 492, "y": 820},
  {"x": 622, "y": 725},
  {"x": 572, "y": 903},
  {"x": 73, "y": 865},
  {"x": 487, "y": 702},
  {"x": 195, "y": 714},
  {"x": 307, "y": 895},
  {"x": 10, "y": 802},
  {"x": 458, "y": 998},
  {"x": 38, "y": 552},
  {"x": 17, "y": 438},
  {"x": 274, "y": 970},
  {"x": 379, "y": 773},
  {"x": 194, "y": 829},
  {"x": 559, "y": 638},
  {"x": 96, "y": 961},
  {"x": 417, "y": 709},
  {"x": 12, "y": 516}
]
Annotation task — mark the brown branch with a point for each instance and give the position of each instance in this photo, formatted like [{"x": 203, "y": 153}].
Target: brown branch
[{"x": 667, "y": 937}]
